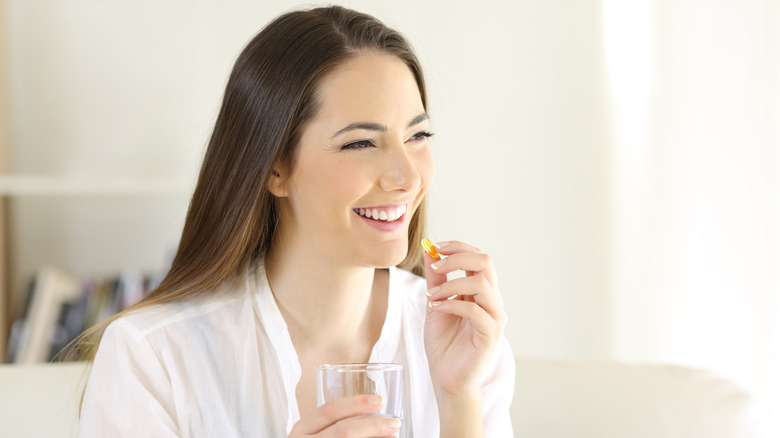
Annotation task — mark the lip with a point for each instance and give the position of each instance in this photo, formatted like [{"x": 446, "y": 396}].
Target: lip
[{"x": 383, "y": 225}]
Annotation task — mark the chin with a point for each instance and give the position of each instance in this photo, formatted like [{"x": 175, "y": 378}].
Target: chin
[{"x": 388, "y": 258}]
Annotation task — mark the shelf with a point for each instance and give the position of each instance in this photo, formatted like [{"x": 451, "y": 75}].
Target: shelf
[
  {"x": 18, "y": 187},
  {"x": 35, "y": 185}
]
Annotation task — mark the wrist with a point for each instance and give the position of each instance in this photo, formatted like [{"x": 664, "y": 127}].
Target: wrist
[
  {"x": 460, "y": 415},
  {"x": 457, "y": 393}
]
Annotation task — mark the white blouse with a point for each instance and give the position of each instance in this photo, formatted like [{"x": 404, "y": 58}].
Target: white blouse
[{"x": 225, "y": 366}]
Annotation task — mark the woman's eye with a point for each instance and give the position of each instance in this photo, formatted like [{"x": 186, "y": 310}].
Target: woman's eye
[
  {"x": 421, "y": 135},
  {"x": 362, "y": 144}
]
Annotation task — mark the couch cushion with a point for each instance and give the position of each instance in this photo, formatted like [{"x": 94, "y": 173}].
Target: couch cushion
[
  {"x": 41, "y": 400},
  {"x": 605, "y": 399}
]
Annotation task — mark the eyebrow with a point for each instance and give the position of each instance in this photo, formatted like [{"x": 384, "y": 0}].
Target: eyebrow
[{"x": 370, "y": 126}]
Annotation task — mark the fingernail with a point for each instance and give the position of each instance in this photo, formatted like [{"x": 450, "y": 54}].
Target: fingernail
[
  {"x": 376, "y": 400},
  {"x": 433, "y": 291},
  {"x": 393, "y": 423},
  {"x": 435, "y": 304},
  {"x": 437, "y": 265},
  {"x": 442, "y": 244}
]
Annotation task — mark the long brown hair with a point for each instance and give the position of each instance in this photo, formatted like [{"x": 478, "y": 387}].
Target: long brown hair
[{"x": 270, "y": 95}]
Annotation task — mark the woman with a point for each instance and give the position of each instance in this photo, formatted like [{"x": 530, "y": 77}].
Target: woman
[{"x": 311, "y": 193}]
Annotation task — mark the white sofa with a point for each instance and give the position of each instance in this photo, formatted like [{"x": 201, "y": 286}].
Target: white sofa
[
  {"x": 603, "y": 399},
  {"x": 553, "y": 399}
]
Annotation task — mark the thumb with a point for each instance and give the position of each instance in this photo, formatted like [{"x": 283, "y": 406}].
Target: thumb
[{"x": 431, "y": 277}]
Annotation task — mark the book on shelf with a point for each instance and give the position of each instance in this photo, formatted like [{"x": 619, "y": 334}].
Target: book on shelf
[
  {"x": 59, "y": 306},
  {"x": 53, "y": 287}
]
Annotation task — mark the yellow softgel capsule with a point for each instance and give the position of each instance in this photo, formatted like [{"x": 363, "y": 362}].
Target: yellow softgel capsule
[{"x": 429, "y": 248}]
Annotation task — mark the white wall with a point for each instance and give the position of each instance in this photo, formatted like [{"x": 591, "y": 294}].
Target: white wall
[
  {"x": 696, "y": 187},
  {"x": 518, "y": 99}
]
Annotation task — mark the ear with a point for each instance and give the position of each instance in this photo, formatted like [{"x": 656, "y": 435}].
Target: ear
[{"x": 277, "y": 183}]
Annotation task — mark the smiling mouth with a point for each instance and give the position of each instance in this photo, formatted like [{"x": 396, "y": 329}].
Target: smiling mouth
[{"x": 382, "y": 214}]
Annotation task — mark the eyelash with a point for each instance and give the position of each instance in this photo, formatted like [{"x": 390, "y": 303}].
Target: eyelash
[
  {"x": 423, "y": 134},
  {"x": 363, "y": 144}
]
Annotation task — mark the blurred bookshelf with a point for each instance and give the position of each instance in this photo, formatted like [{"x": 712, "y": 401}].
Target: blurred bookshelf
[
  {"x": 89, "y": 229},
  {"x": 69, "y": 301}
]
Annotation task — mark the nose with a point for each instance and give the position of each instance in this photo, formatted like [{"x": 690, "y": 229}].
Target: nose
[{"x": 400, "y": 171}]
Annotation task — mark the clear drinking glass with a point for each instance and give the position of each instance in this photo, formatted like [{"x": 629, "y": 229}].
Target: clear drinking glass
[{"x": 342, "y": 380}]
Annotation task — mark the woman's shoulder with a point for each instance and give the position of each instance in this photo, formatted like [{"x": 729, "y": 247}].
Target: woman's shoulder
[{"x": 189, "y": 311}]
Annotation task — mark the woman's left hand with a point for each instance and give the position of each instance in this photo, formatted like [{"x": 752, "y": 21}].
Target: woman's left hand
[{"x": 462, "y": 333}]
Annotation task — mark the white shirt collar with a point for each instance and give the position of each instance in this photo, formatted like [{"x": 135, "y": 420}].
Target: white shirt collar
[{"x": 275, "y": 326}]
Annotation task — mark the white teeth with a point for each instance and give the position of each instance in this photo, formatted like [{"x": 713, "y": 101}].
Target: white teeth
[{"x": 382, "y": 215}]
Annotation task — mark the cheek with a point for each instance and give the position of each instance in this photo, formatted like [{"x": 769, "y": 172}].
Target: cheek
[
  {"x": 327, "y": 185},
  {"x": 345, "y": 179}
]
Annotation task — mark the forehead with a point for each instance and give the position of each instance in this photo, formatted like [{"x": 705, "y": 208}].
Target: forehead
[{"x": 369, "y": 86}]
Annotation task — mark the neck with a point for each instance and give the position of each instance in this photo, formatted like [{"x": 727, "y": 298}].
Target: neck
[{"x": 326, "y": 305}]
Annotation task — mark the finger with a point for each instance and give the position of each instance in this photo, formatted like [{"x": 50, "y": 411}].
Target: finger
[
  {"x": 432, "y": 278},
  {"x": 471, "y": 262},
  {"x": 476, "y": 287},
  {"x": 486, "y": 327},
  {"x": 448, "y": 247},
  {"x": 337, "y": 410},
  {"x": 362, "y": 427}
]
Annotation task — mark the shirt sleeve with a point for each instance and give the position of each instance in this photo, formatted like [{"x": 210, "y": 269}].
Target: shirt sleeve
[
  {"x": 128, "y": 393},
  {"x": 498, "y": 387}
]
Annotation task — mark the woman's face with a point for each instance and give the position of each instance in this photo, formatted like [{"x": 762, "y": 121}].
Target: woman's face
[{"x": 362, "y": 165}]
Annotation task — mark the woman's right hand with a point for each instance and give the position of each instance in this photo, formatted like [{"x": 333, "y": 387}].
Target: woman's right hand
[{"x": 344, "y": 418}]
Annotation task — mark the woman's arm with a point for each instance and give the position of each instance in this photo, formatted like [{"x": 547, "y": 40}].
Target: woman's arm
[
  {"x": 461, "y": 335},
  {"x": 461, "y": 415}
]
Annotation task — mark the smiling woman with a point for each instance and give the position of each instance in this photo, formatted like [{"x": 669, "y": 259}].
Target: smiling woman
[{"x": 300, "y": 248}]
